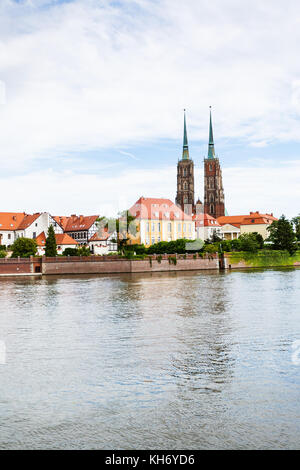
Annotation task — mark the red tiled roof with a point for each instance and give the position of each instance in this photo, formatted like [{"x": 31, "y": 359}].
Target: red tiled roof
[
  {"x": 157, "y": 209},
  {"x": 252, "y": 218},
  {"x": 76, "y": 222},
  {"x": 257, "y": 218},
  {"x": 235, "y": 220},
  {"x": 96, "y": 237},
  {"x": 61, "y": 239},
  {"x": 11, "y": 220},
  {"x": 28, "y": 220},
  {"x": 208, "y": 220}
]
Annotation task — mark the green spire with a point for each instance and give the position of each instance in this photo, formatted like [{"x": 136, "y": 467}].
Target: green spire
[
  {"x": 185, "y": 150},
  {"x": 211, "y": 145}
]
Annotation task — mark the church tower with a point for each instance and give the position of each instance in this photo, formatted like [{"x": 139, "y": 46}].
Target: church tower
[
  {"x": 214, "y": 203},
  {"x": 185, "y": 177}
]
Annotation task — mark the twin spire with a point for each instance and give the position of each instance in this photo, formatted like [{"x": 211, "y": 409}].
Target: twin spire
[
  {"x": 185, "y": 150},
  {"x": 211, "y": 145}
]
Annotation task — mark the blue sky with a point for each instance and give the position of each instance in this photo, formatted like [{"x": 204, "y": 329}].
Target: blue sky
[{"x": 92, "y": 95}]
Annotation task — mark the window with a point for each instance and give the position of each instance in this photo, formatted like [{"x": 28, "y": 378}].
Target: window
[
  {"x": 184, "y": 172},
  {"x": 210, "y": 167},
  {"x": 153, "y": 227},
  {"x": 169, "y": 227},
  {"x": 185, "y": 200},
  {"x": 211, "y": 198},
  {"x": 158, "y": 226},
  {"x": 185, "y": 186},
  {"x": 190, "y": 228},
  {"x": 179, "y": 228},
  {"x": 156, "y": 214},
  {"x": 158, "y": 239},
  {"x": 212, "y": 208},
  {"x": 152, "y": 240},
  {"x": 34, "y": 235},
  {"x": 167, "y": 214},
  {"x": 184, "y": 227},
  {"x": 148, "y": 227},
  {"x": 9, "y": 236}
]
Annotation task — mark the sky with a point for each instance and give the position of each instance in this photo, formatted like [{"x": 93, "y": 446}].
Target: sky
[{"x": 92, "y": 94}]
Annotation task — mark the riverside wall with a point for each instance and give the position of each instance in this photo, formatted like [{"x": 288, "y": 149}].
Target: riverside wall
[
  {"x": 105, "y": 265},
  {"x": 98, "y": 265},
  {"x": 164, "y": 263}
]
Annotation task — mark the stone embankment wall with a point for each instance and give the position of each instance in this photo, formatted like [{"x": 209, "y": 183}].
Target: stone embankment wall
[
  {"x": 105, "y": 264},
  {"x": 97, "y": 265}
]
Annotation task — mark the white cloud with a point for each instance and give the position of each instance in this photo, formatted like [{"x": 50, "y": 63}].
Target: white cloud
[
  {"x": 88, "y": 74},
  {"x": 64, "y": 193}
]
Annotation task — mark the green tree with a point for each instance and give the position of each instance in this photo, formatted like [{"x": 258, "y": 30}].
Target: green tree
[
  {"x": 70, "y": 252},
  {"x": 249, "y": 242},
  {"x": 24, "y": 247},
  {"x": 296, "y": 223},
  {"x": 83, "y": 251},
  {"x": 124, "y": 226},
  {"x": 50, "y": 247},
  {"x": 282, "y": 235}
]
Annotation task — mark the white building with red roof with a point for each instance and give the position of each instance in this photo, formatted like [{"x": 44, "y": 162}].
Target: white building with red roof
[
  {"x": 19, "y": 224},
  {"x": 104, "y": 243},
  {"x": 207, "y": 227},
  {"x": 81, "y": 228},
  {"x": 63, "y": 241},
  {"x": 159, "y": 220}
]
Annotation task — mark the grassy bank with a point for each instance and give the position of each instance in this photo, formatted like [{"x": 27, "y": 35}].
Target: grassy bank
[{"x": 264, "y": 258}]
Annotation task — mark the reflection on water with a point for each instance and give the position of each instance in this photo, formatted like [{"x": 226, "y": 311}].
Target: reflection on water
[{"x": 165, "y": 360}]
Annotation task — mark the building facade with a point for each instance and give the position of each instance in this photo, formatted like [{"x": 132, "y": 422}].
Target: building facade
[
  {"x": 160, "y": 220},
  {"x": 185, "y": 178},
  {"x": 214, "y": 201},
  {"x": 81, "y": 228},
  {"x": 14, "y": 225},
  {"x": 207, "y": 227}
]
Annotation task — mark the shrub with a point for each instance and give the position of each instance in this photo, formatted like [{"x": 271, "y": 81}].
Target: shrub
[
  {"x": 24, "y": 247},
  {"x": 70, "y": 252}
]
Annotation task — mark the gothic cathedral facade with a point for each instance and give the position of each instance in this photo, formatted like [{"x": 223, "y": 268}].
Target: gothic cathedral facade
[
  {"x": 214, "y": 201},
  {"x": 185, "y": 178}
]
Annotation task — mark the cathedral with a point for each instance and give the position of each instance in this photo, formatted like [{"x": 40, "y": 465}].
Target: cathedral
[{"x": 214, "y": 203}]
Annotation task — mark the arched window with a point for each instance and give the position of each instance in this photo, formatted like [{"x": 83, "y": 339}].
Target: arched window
[
  {"x": 184, "y": 172},
  {"x": 185, "y": 200},
  {"x": 212, "y": 209},
  {"x": 185, "y": 186},
  {"x": 211, "y": 198}
]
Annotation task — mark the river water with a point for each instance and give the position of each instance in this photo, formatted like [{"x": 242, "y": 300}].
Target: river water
[{"x": 163, "y": 361}]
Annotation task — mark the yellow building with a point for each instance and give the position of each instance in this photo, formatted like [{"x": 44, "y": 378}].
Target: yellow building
[
  {"x": 160, "y": 220},
  {"x": 256, "y": 222}
]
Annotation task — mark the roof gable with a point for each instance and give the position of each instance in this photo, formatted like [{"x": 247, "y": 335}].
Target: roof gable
[{"x": 157, "y": 209}]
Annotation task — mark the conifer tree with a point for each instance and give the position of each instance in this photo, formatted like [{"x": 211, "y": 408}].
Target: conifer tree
[
  {"x": 50, "y": 248},
  {"x": 282, "y": 235}
]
